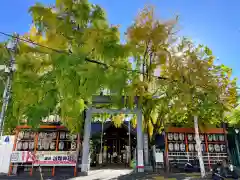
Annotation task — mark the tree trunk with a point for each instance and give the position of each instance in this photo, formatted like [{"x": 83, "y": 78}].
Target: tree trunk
[{"x": 199, "y": 149}]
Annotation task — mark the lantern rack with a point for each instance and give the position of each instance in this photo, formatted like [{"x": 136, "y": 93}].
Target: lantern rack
[
  {"x": 180, "y": 146},
  {"x": 53, "y": 143}
]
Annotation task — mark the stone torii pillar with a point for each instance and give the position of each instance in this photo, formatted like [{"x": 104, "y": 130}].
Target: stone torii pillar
[
  {"x": 140, "y": 162},
  {"x": 85, "y": 167}
]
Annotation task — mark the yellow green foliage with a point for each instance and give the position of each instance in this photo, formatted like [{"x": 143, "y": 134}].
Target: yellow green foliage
[
  {"x": 61, "y": 79},
  {"x": 118, "y": 120}
]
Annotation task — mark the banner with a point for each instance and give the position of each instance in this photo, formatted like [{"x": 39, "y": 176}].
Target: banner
[
  {"x": 45, "y": 158},
  {"x": 55, "y": 158},
  {"x": 21, "y": 157}
]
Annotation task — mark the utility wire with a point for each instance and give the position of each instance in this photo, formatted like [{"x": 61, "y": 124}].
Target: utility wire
[
  {"x": 95, "y": 61},
  {"x": 86, "y": 59}
]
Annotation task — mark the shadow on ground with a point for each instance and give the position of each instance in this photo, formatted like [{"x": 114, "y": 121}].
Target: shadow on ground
[
  {"x": 112, "y": 174},
  {"x": 160, "y": 176}
]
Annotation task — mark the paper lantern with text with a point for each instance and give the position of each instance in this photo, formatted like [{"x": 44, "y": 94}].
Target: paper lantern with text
[
  {"x": 25, "y": 145},
  {"x": 190, "y": 137},
  {"x": 217, "y": 147},
  {"x": 32, "y": 135},
  {"x": 170, "y": 136},
  {"x": 62, "y": 135},
  {"x": 52, "y": 145},
  {"x": 73, "y": 145},
  {"x": 182, "y": 147},
  {"x": 181, "y": 136},
  {"x": 68, "y": 136},
  {"x": 223, "y": 148},
  {"x": 19, "y": 145},
  {"x": 211, "y": 148},
  {"x": 191, "y": 147},
  {"x": 20, "y": 135},
  {"x": 26, "y": 135},
  {"x": 41, "y": 135},
  {"x": 46, "y": 144},
  {"x": 215, "y": 137},
  {"x": 31, "y": 145},
  {"x": 176, "y": 147},
  {"x": 170, "y": 147},
  {"x": 175, "y": 136},
  {"x": 54, "y": 135},
  {"x": 221, "y": 137},
  {"x": 210, "y": 137},
  {"x": 61, "y": 145}
]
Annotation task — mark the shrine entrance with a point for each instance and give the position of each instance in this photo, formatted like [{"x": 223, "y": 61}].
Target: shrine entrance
[
  {"x": 116, "y": 142},
  {"x": 117, "y": 146},
  {"x": 116, "y": 139}
]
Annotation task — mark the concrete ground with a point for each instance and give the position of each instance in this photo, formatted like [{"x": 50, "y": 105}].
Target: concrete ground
[
  {"x": 113, "y": 174},
  {"x": 96, "y": 174}
]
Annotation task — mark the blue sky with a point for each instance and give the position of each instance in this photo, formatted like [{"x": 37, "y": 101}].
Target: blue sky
[{"x": 215, "y": 23}]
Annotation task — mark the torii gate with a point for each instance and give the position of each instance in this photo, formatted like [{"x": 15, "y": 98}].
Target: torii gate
[{"x": 87, "y": 131}]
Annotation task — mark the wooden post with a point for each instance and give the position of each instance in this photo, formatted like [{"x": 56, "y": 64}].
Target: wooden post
[
  {"x": 206, "y": 144},
  {"x": 186, "y": 144},
  {"x": 166, "y": 151},
  {"x": 34, "y": 153},
  {"x": 57, "y": 142}
]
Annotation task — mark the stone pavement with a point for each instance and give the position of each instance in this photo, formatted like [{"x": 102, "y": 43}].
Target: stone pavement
[{"x": 105, "y": 174}]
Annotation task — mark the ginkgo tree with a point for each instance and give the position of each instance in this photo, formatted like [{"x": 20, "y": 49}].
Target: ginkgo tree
[
  {"x": 189, "y": 84},
  {"x": 69, "y": 53},
  {"x": 206, "y": 90},
  {"x": 149, "y": 40}
]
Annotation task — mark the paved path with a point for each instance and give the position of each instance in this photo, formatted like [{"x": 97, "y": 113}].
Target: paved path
[{"x": 104, "y": 174}]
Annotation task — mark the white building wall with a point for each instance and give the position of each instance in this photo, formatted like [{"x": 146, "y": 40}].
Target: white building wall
[{"x": 5, "y": 153}]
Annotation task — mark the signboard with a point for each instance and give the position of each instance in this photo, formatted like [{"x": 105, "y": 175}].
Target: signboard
[
  {"x": 55, "y": 158},
  {"x": 159, "y": 156},
  {"x": 145, "y": 145},
  {"x": 6, "y": 140}
]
